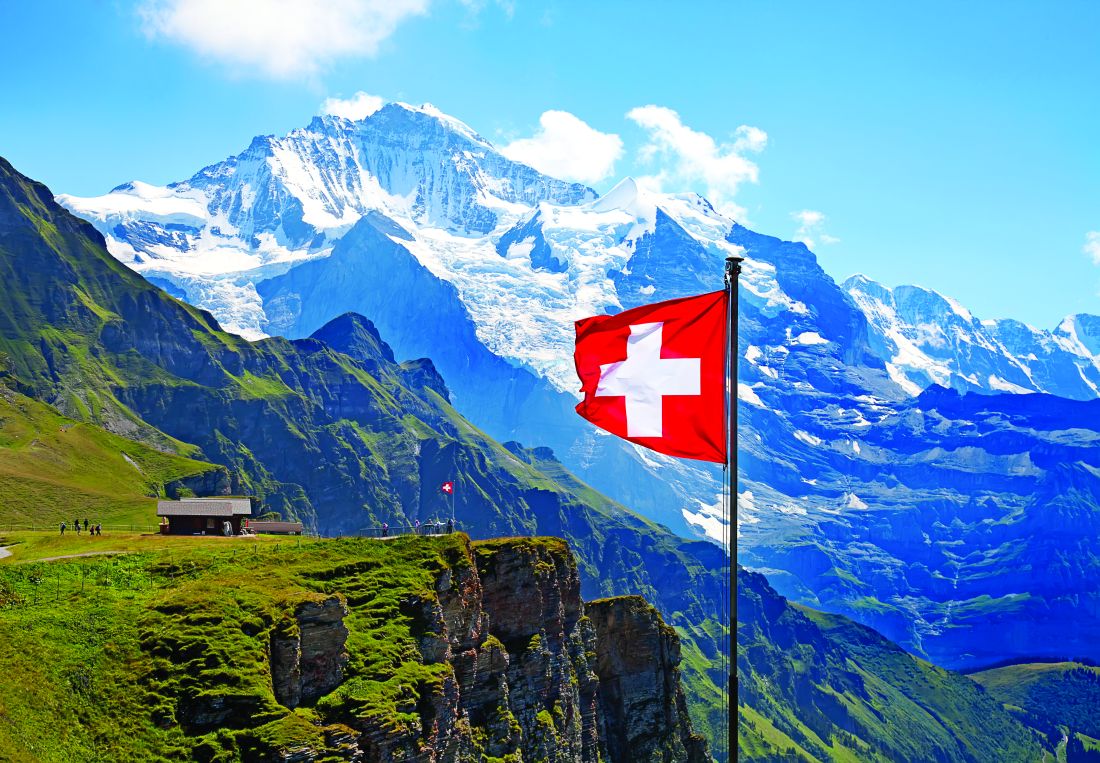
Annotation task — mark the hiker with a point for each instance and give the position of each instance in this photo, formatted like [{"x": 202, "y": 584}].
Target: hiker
[
  {"x": 62, "y": 528},
  {"x": 416, "y": 528},
  {"x": 85, "y": 523},
  {"x": 450, "y": 525},
  {"x": 77, "y": 524},
  {"x": 385, "y": 529},
  {"x": 99, "y": 529}
]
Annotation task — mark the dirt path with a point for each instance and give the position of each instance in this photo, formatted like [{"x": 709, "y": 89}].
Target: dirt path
[
  {"x": 4, "y": 552},
  {"x": 77, "y": 556}
]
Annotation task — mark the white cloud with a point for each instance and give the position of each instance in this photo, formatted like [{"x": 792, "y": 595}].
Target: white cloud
[
  {"x": 282, "y": 39},
  {"x": 685, "y": 156},
  {"x": 1092, "y": 245},
  {"x": 810, "y": 228},
  {"x": 569, "y": 148},
  {"x": 809, "y": 218},
  {"x": 359, "y": 106}
]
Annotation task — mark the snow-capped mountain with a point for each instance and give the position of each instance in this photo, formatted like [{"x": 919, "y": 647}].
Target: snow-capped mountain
[
  {"x": 865, "y": 489},
  {"x": 457, "y": 253},
  {"x": 926, "y": 338},
  {"x": 286, "y": 200}
]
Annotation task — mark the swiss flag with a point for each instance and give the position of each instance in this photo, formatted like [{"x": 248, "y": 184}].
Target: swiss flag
[
  {"x": 447, "y": 487},
  {"x": 656, "y": 375}
]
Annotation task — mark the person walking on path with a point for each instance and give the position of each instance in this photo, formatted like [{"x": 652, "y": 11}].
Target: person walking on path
[
  {"x": 62, "y": 528},
  {"x": 85, "y": 523},
  {"x": 99, "y": 529}
]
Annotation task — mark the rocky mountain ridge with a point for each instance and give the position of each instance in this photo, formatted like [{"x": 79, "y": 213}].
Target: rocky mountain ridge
[{"x": 927, "y": 338}]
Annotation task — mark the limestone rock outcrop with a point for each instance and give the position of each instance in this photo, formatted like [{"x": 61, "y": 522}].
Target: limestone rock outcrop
[
  {"x": 527, "y": 666},
  {"x": 637, "y": 661}
]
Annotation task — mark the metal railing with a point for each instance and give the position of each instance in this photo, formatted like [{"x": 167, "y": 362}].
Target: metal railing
[{"x": 442, "y": 528}]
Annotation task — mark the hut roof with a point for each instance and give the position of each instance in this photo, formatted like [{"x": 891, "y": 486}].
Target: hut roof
[{"x": 195, "y": 509}]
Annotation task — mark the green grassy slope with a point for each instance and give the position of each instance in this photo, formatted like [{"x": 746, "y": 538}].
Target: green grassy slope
[
  {"x": 1056, "y": 697},
  {"x": 815, "y": 686},
  {"x": 111, "y": 651},
  {"x": 53, "y": 468}
]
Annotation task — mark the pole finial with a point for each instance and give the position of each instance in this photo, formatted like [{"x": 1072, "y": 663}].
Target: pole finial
[{"x": 733, "y": 268}]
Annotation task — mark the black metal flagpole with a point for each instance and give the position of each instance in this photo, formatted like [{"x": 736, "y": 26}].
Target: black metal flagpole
[{"x": 733, "y": 270}]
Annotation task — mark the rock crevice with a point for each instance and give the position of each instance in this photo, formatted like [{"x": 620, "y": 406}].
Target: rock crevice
[{"x": 307, "y": 652}]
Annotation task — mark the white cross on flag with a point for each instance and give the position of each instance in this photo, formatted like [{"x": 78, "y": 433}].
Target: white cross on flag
[
  {"x": 447, "y": 487},
  {"x": 656, "y": 375}
]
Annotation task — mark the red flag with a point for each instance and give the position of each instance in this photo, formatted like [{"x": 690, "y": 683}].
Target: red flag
[
  {"x": 447, "y": 487},
  {"x": 656, "y": 375}
]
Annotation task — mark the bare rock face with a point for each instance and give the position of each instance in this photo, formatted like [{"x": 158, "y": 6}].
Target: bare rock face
[
  {"x": 637, "y": 661},
  {"x": 532, "y": 598},
  {"x": 307, "y": 652},
  {"x": 216, "y": 481},
  {"x": 509, "y": 621}
]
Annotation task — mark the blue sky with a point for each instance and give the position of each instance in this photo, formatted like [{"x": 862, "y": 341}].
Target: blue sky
[{"x": 946, "y": 144}]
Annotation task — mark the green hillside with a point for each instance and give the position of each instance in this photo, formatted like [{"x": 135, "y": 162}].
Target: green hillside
[
  {"x": 53, "y": 469},
  {"x": 1060, "y": 698},
  {"x": 819, "y": 687},
  {"x": 166, "y": 655}
]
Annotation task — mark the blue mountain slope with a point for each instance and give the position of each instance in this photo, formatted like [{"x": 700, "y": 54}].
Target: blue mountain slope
[{"x": 423, "y": 316}]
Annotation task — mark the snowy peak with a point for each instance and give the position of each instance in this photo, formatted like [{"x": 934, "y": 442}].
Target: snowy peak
[
  {"x": 624, "y": 196},
  {"x": 1082, "y": 332},
  {"x": 927, "y": 338},
  {"x": 284, "y": 200}
]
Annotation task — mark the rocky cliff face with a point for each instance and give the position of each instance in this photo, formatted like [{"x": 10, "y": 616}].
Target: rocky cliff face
[
  {"x": 508, "y": 665},
  {"x": 523, "y": 682},
  {"x": 638, "y": 665}
]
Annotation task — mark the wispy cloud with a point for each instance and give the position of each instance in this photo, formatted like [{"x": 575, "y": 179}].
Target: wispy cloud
[
  {"x": 1092, "y": 245},
  {"x": 359, "y": 106},
  {"x": 280, "y": 39},
  {"x": 507, "y": 7},
  {"x": 687, "y": 157},
  {"x": 569, "y": 148},
  {"x": 811, "y": 228}
]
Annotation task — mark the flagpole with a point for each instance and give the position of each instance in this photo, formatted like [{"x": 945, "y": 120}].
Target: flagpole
[{"x": 733, "y": 270}]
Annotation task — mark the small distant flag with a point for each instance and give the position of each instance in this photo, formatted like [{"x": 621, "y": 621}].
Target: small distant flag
[{"x": 448, "y": 488}]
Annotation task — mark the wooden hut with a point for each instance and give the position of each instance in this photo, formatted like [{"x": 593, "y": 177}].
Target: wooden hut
[{"x": 204, "y": 516}]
